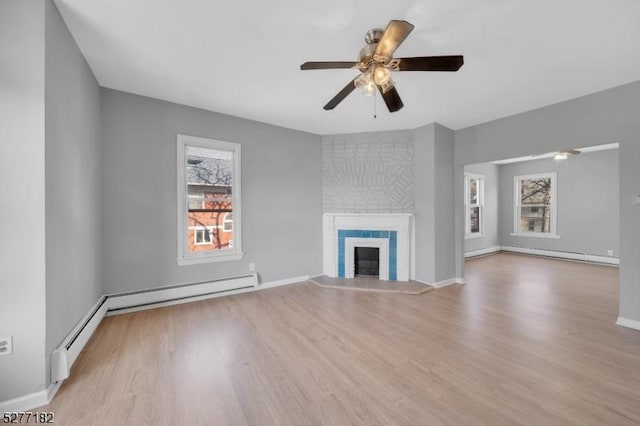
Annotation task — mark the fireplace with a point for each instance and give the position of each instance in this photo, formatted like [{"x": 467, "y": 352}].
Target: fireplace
[
  {"x": 366, "y": 261},
  {"x": 390, "y": 234},
  {"x": 348, "y": 240}
]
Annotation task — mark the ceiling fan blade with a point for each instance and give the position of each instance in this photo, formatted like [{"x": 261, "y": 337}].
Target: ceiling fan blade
[
  {"x": 341, "y": 95},
  {"x": 429, "y": 63},
  {"x": 573, "y": 151},
  {"x": 393, "y": 36},
  {"x": 392, "y": 99},
  {"x": 326, "y": 65}
]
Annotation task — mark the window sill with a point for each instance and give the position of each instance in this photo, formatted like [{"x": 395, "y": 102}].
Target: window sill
[
  {"x": 535, "y": 235},
  {"x": 472, "y": 236},
  {"x": 196, "y": 260}
]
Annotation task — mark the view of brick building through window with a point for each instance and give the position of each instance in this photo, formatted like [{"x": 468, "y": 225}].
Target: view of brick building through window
[{"x": 209, "y": 174}]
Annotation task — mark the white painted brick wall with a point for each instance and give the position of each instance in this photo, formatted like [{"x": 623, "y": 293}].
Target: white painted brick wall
[{"x": 368, "y": 173}]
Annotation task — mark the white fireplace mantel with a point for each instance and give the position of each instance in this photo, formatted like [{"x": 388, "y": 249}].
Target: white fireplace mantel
[{"x": 397, "y": 228}]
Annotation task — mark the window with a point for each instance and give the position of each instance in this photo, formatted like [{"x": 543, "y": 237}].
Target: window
[
  {"x": 227, "y": 223},
  {"x": 196, "y": 199},
  {"x": 535, "y": 205},
  {"x": 202, "y": 235},
  {"x": 474, "y": 200},
  {"x": 208, "y": 200}
]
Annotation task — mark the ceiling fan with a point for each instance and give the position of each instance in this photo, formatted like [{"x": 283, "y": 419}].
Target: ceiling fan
[
  {"x": 377, "y": 62},
  {"x": 564, "y": 154}
]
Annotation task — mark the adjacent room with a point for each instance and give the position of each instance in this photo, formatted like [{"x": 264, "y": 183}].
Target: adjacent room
[
  {"x": 202, "y": 224},
  {"x": 561, "y": 204}
]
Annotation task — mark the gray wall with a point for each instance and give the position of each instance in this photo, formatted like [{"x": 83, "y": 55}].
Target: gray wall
[
  {"x": 434, "y": 218},
  {"x": 587, "y": 203},
  {"x": 444, "y": 203},
  {"x": 368, "y": 173},
  {"x": 22, "y": 196},
  {"x": 604, "y": 117},
  {"x": 630, "y": 217},
  {"x": 423, "y": 176},
  {"x": 72, "y": 132},
  {"x": 281, "y": 194},
  {"x": 491, "y": 236}
]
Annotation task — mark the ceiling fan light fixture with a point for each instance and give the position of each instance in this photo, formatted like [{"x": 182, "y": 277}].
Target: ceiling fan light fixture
[
  {"x": 365, "y": 83},
  {"x": 369, "y": 89},
  {"x": 561, "y": 156},
  {"x": 381, "y": 75}
]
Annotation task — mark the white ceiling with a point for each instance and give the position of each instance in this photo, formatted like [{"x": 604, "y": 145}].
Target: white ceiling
[{"x": 242, "y": 57}]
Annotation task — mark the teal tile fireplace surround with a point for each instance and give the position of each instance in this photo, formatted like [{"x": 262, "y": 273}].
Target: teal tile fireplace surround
[{"x": 392, "y": 236}]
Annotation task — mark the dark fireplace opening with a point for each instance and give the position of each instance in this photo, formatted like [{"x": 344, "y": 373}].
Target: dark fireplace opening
[{"x": 367, "y": 261}]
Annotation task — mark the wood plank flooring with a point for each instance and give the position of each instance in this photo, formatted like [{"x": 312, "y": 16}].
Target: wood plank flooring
[{"x": 526, "y": 341}]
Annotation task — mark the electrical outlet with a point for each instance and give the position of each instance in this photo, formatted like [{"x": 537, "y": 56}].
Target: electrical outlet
[
  {"x": 252, "y": 267},
  {"x": 609, "y": 252},
  {"x": 6, "y": 346}
]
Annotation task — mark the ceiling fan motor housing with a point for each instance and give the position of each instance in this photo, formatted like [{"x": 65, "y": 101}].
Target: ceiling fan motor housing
[
  {"x": 373, "y": 36},
  {"x": 366, "y": 55}
]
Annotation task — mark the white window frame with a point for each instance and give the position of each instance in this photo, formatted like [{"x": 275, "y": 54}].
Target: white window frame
[
  {"x": 467, "y": 205},
  {"x": 218, "y": 255},
  {"x": 554, "y": 203}
]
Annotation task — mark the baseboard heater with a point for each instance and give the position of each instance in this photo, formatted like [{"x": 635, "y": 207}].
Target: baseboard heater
[
  {"x": 583, "y": 257},
  {"x": 64, "y": 356}
]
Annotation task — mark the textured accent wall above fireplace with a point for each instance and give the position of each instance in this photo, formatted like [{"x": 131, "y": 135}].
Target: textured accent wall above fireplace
[{"x": 368, "y": 173}]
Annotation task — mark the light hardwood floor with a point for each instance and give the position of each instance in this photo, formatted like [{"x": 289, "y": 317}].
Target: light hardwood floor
[{"x": 526, "y": 341}]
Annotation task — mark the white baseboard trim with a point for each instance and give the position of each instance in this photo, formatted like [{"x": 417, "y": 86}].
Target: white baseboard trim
[
  {"x": 286, "y": 281},
  {"x": 443, "y": 283},
  {"x": 607, "y": 260},
  {"x": 482, "y": 251},
  {"x": 30, "y": 401},
  {"x": 448, "y": 282},
  {"x": 625, "y": 322}
]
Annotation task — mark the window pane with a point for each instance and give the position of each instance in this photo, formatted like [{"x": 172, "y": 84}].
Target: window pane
[
  {"x": 535, "y": 219},
  {"x": 473, "y": 191},
  {"x": 535, "y": 191},
  {"x": 209, "y": 178},
  {"x": 474, "y": 220},
  {"x": 228, "y": 223},
  {"x": 203, "y": 236},
  {"x": 196, "y": 198}
]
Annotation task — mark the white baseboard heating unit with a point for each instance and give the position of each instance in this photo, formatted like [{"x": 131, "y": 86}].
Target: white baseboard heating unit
[{"x": 64, "y": 356}]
